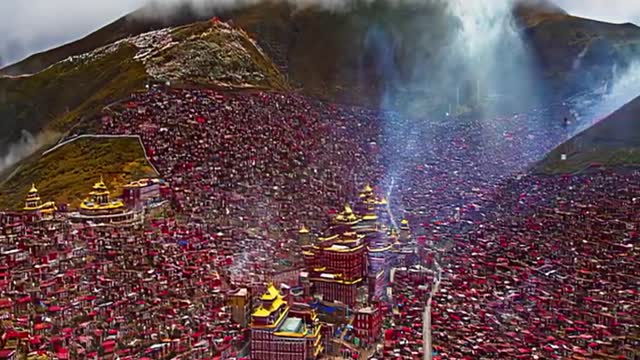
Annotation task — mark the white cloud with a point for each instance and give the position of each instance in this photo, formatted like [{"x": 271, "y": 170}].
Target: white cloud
[
  {"x": 28, "y": 26},
  {"x": 616, "y": 11}
]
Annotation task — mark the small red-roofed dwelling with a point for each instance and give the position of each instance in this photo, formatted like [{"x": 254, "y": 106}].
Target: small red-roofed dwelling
[{"x": 368, "y": 323}]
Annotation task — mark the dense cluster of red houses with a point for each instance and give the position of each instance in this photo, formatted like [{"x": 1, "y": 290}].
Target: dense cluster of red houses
[
  {"x": 550, "y": 271},
  {"x": 282, "y": 160},
  {"x": 531, "y": 266},
  {"x": 108, "y": 293}
]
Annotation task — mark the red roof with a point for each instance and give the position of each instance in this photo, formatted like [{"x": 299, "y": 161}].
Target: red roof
[
  {"x": 6, "y": 353},
  {"x": 42, "y": 326}
]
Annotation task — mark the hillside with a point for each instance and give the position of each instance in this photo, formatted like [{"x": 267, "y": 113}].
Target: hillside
[
  {"x": 328, "y": 53},
  {"x": 69, "y": 93},
  {"x": 54, "y": 99},
  {"x": 67, "y": 173},
  {"x": 130, "y": 25},
  {"x": 613, "y": 142},
  {"x": 579, "y": 54},
  {"x": 357, "y": 56}
]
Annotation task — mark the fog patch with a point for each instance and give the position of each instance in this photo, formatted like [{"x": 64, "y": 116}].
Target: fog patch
[{"x": 27, "y": 145}]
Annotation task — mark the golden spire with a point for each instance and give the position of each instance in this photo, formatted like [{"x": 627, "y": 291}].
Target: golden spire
[
  {"x": 347, "y": 209},
  {"x": 33, "y": 189},
  {"x": 100, "y": 185}
]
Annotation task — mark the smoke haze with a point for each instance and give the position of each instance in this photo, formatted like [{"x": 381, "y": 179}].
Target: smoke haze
[{"x": 24, "y": 147}]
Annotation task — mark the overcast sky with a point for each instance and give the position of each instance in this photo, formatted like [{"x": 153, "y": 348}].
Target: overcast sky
[{"x": 28, "y": 26}]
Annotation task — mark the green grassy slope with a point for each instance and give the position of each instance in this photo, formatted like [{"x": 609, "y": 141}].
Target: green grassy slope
[
  {"x": 67, "y": 174},
  {"x": 56, "y": 98}
]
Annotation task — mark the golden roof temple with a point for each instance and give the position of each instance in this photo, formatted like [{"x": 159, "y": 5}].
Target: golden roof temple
[
  {"x": 275, "y": 325},
  {"x": 100, "y": 209},
  {"x": 99, "y": 201},
  {"x": 346, "y": 216},
  {"x": 33, "y": 203},
  {"x": 271, "y": 310},
  {"x": 370, "y": 199}
]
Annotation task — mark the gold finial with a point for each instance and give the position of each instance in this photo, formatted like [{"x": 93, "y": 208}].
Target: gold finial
[{"x": 347, "y": 208}]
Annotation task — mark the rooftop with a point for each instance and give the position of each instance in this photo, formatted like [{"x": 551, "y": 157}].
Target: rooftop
[
  {"x": 292, "y": 325},
  {"x": 367, "y": 310},
  {"x": 270, "y": 294},
  {"x": 240, "y": 292}
]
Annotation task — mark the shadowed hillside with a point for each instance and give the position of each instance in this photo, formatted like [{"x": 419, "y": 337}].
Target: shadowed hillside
[
  {"x": 68, "y": 94},
  {"x": 614, "y": 141},
  {"x": 580, "y": 54},
  {"x": 61, "y": 95},
  {"x": 326, "y": 52}
]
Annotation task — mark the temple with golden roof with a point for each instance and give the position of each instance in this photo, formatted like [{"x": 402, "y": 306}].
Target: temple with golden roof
[
  {"x": 337, "y": 266},
  {"x": 371, "y": 203},
  {"x": 305, "y": 239},
  {"x": 280, "y": 332},
  {"x": 34, "y": 205},
  {"x": 362, "y": 239},
  {"x": 100, "y": 209}
]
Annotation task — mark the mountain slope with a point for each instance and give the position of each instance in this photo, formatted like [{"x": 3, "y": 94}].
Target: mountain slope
[
  {"x": 55, "y": 98},
  {"x": 69, "y": 93},
  {"x": 613, "y": 142},
  {"x": 130, "y": 25},
  {"x": 325, "y": 52},
  {"x": 579, "y": 54},
  {"x": 67, "y": 173}
]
